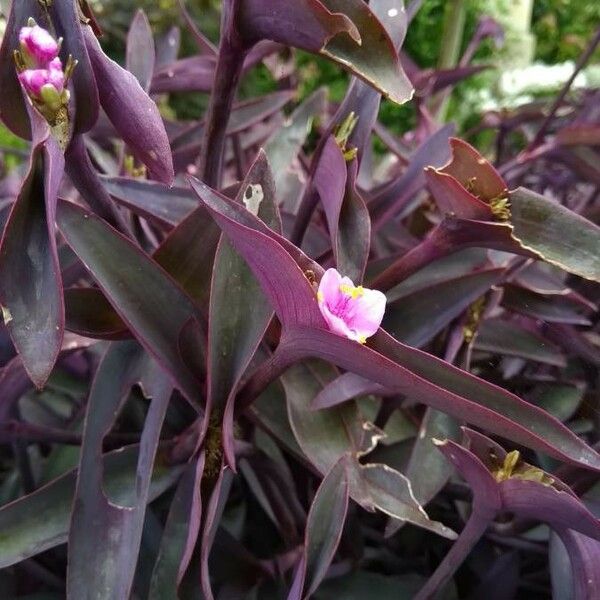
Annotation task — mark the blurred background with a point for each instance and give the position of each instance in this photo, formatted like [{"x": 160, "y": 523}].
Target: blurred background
[{"x": 535, "y": 55}]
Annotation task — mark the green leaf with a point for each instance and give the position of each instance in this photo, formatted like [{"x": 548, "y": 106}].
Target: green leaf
[
  {"x": 40, "y": 521},
  {"x": 556, "y": 234}
]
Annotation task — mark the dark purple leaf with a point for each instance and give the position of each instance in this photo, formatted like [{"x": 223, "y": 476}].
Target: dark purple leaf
[
  {"x": 30, "y": 282},
  {"x": 40, "y": 521},
  {"x": 535, "y": 221},
  {"x": 140, "y": 54},
  {"x": 234, "y": 333},
  {"x": 417, "y": 318},
  {"x": 373, "y": 486},
  {"x": 105, "y": 562},
  {"x": 281, "y": 269},
  {"x": 89, "y": 313},
  {"x": 180, "y": 533},
  {"x": 152, "y": 200},
  {"x": 509, "y": 338},
  {"x": 152, "y": 305},
  {"x": 324, "y": 527},
  {"x": 132, "y": 112}
]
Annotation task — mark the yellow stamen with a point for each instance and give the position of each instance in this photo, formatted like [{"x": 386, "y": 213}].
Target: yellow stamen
[
  {"x": 353, "y": 292},
  {"x": 320, "y": 297},
  {"x": 362, "y": 339}
]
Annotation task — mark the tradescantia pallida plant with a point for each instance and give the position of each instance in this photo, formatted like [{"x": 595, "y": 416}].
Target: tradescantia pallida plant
[{"x": 242, "y": 361}]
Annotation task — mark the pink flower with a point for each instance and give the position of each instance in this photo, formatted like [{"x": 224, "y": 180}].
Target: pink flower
[
  {"x": 350, "y": 311},
  {"x": 38, "y": 46},
  {"x": 34, "y": 80}
]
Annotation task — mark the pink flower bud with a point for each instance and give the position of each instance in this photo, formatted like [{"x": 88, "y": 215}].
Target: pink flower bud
[
  {"x": 350, "y": 311},
  {"x": 33, "y": 80},
  {"x": 37, "y": 46}
]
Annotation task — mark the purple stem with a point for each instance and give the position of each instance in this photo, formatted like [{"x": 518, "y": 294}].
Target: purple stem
[
  {"x": 470, "y": 535},
  {"x": 232, "y": 52},
  {"x": 583, "y": 59},
  {"x": 84, "y": 177}
]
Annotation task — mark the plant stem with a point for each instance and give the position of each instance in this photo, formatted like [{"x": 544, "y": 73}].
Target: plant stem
[
  {"x": 232, "y": 53},
  {"x": 583, "y": 59},
  {"x": 454, "y": 26}
]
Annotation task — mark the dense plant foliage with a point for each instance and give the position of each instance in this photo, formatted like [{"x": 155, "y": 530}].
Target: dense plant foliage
[{"x": 247, "y": 356}]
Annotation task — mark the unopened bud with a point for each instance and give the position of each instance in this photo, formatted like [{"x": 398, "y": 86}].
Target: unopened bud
[{"x": 38, "y": 47}]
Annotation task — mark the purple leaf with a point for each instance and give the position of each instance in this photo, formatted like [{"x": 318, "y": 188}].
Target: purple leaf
[
  {"x": 417, "y": 318},
  {"x": 39, "y": 521},
  {"x": 140, "y": 53},
  {"x": 508, "y": 338},
  {"x": 132, "y": 112},
  {"x": 395, "y": 196},
  {"x": 157, "y": 202},
  {"x": 89, "y": 314},
  {"x": 234, "y": 334},
  {"x": 180, "y": 533},
  {"x": 373, "y": 486},
  {"x": 282, "y": 271},
  {"x": 152, "y": 305},
  {"x": 107, "y": 560},
  {"x": 324, "y": 527},
  {"x": 30, "y": 282}
]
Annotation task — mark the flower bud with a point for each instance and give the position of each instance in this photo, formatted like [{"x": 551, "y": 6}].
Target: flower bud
[
  {"x": 38, "y": 47},
  {"x": 34, "y": 80}
]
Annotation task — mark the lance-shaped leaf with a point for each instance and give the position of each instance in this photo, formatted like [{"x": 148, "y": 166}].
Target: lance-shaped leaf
[
  {"x": 65, "y": 19},
  {"x": 40, "y": 521},
  {"x": 396, "y": 195},
  {"x": 551, "y": 309},
  {"x": 328, "y": 435},
  {"x": 214, "y": 511},
  {"x": 376, "y": 59},
  {"x": 362, "y": 46},
  {"x": 345, "y": 387},
  {"x": 417, "y": 318},
  {"x": 324, "y": 527},
  {"x": 280, "y": 267},
  {"x": 283, "y": 147},
  {"x": 244, "y": 115},
  {"x": 239, "y": 313},
  {"x": 361, "y": 99},
  {"x": 132, "y": 112},
  {"x": 470, "y": 187},
  {"x": 140, "y": 53},
  {"x": 180, "y": 534},
  {"x": 30, "y": 282},
  {"x": 505, "y": 337},
  {"x": 152, "y": 305},
  {"x": 90, "y": 314},
  {"x": 157, "y": 202},
  {"x": 346, "y": 213},
  {"x": 535, "y": 222},
  {"x": 106, "y": 562}
]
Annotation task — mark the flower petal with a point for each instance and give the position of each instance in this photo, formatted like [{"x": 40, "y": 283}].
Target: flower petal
[{"x": 367, "y": 312}]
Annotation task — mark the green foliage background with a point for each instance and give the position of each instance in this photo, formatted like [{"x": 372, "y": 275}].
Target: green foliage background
[{"x": 562, "y": 29}]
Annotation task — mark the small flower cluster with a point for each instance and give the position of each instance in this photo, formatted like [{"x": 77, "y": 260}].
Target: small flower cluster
[{"x": 41, "y": 71}]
